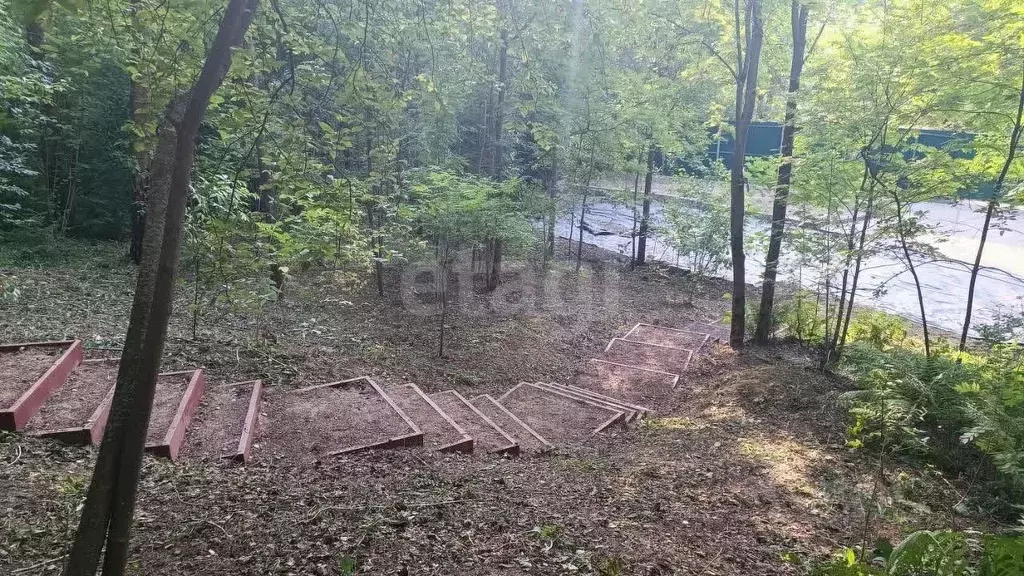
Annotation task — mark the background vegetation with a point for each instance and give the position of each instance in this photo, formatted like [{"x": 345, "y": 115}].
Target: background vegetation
[{"x": 357, "y": 135}]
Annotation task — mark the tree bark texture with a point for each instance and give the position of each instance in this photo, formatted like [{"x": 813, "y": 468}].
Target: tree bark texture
[
  {"x": 641, "y": 243},
  {"x": 992, "y": 205},
  {"x": 110, "y": 502},
  {"x": 737, "y": 182},
  {"x": 785, "y": 175}
]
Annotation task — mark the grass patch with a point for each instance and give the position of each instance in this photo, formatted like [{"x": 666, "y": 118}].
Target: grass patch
[
  {"x": 672, "y": 423},
  {"x": 576, "y": 464}
]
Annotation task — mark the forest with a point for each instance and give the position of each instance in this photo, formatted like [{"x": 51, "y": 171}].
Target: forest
[{"x": 802, "y": 216}]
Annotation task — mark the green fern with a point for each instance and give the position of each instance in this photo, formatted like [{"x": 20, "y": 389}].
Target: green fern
[
  {"x": 934, "y": 553},
  {"x": 1004, "y": 556},
  {"x": 938, "y": 553}
]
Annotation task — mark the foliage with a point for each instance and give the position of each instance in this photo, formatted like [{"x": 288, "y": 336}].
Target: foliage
[
  {"x": 354, "y": 135},
  {"x": 877, "y": 329},
  {"x": 799, "y": 317},
  {"x": 696, "y": 235},
  {"x": 936, "y": 553},
  {"x": 962, "y": 410}
]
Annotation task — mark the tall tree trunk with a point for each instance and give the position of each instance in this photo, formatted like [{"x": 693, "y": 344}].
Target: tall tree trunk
[
  {"x": 549, "y": 251},
  {"x": 740, "y": 74},
  {"x": 579, "y": 249},
  {"x": 992, "y": 205},
  {"x": 378, "y": 264},
  {"x": 572, "y": 226},
  {"x": 485, "y": 147},
  {"x": 140, "y": 115},
  {"x": 633, "y": 234},
  {"x": 494, "y": 274},
  {"x": 737, "y": 182},
  {"x": 442, "y": 295},
  {"x": 781, "y": 204},
  {"x": 494, "y": 278},
  {"x": 374, "y": 219},
  {"x": 838, "y": 352},
  {"x": 110, "y": 503},
  {"x": 902, "y": 237},
  {"x": 851, "y": 239},
  {"x": 499, "y": 107},
  {"x": 641, "y": 244},
  {"x": 583, "y": 206},
  {"x": 139, "y": 103}
]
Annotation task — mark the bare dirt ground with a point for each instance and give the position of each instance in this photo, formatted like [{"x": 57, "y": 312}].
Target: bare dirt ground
[
  {"x": 308, "y": 425},
  {"x": 73, "y": 404},
  {"x": 20, "y": 369},
  {"x": 169, "y": 390},
  {"x": 751, "y": 467},
  {"x": 217, "y": 426}
]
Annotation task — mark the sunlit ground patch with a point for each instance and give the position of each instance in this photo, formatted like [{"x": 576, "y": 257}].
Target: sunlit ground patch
[
  {"x": 789, "y": 463},
  {"x": 673, "y": 423},
  {"x": 725, "y": 414}
]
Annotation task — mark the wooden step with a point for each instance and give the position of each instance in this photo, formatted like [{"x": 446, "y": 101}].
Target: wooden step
[
  {"x": 650, "y": 356},
  {"x": 630, "y": 413},
  {"x": 633, "y": 384},
  {"x": 664, "y": 336},
  {"x": 77, "y": 412},
  {"x": 641, "y": 411},
  {"x": 527, "y": 438},
  {"x": 717, "y": 331},
  {"x": 440, "y": 431},
  {"x": 559, "y": 417},
  {"x": 334, "y": 419},
  {"x": 226, "y": 422},
  {"x": 32, "y": 383},
  {"x": 177, "y": 397},
  {"x": 487, "y": 436}
]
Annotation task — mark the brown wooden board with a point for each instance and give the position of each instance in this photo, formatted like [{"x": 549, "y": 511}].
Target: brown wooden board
[
  {"x": 335, "y": 418},
  {"x": 663, "y": 358},
  {"x": 77, "y": 412},
  {"x": 487, "y": 435},
  {"x": 629, "y": 413},
  {"x": 556, "y": 417},
  {"x": 177, "y": 396},
  {"x": 29, "y": 373},
  {"x": 619, "y": 404},
  {"x": 440, "y": 430},
  {"x": 217, "y": 429},
  {"x": 529, "y": 441},
  {"x": 663, "y": 336},
  {"x": 631, "y": 384},
  {"x": 640, "y": 409}
]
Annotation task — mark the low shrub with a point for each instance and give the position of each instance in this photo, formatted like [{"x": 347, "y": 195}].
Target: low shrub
[
  {"x": 878, "y": 329},
  {"x": 962, "y": 410},
  {"x": 799, "y": 317},
  {"x": 933, "y": 553}
]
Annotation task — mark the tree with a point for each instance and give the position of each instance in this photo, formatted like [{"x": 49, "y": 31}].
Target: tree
[
  {"x": 495, "y": 245},
  {"x": 993, "y": 204},
  {"x": 110, "y": 503},
  {"x": 459, "y": 212},
  {"x": 781, "y": 203},
  {"x": 746, "y": 91}
]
